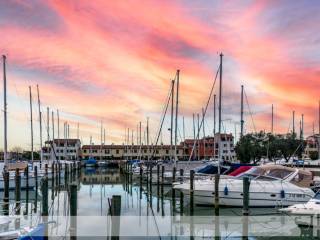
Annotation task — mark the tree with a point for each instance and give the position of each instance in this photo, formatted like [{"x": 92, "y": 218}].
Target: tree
[{"x": 253, "y": 146}]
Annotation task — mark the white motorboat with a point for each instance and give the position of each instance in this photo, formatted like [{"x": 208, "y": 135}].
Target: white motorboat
[
  {"x": 312, "y": 207},
  {"x": 270, "y": 186}
]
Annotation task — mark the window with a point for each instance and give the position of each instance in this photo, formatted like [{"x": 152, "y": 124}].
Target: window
[
  {"x": 157, "y": 151},
  {"x": 167, "y": 151},
  {"x": 117, "y": 151}
]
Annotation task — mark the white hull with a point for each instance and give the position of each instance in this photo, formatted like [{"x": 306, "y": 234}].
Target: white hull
[{"x": 261, "y": 193}]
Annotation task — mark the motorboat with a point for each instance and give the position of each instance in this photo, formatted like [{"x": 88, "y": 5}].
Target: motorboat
[
  {"x": 270, "y": 186},
  {"x": 312, "y": 207},
  {"x": 91, "y": 162}
]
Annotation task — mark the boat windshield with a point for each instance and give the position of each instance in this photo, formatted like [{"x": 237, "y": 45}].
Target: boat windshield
[
  {"x": 262, "y": 174},
  {"x": 317, "y": 196}
]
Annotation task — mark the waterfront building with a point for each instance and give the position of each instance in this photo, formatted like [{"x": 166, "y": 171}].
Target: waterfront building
[
  {"x": 62, "y": 149},
  {"x": 312, "y": 147},
  {"x": 208, "y": 147}
]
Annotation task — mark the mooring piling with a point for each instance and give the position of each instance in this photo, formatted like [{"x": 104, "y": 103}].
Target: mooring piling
[
  {"x": 191, "y": 191},
  {"x": 216, "y": 193},
  {"x": 73, "y": 210},
  {"x": 17, "y": 191},
  {"x": 6, "y": 192},
  {"x": 115, "y": 216},
  {"x": 246, "y": 185}
]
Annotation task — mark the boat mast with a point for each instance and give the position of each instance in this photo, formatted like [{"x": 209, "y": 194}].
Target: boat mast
[
  {"x": 293, "y": 123},
  {"x": 176, "y": 120},
  {"x": 194, "y": 130},
  {"x": 214, "y": 126},
  {"x": 40, "y": 123},
  {"x": 204, "y": 135},
  {"x": 31, "y": 125},
  {"x": 220, "y": 105},
  {"x": 100, "y": 141},
  {"x": 184, "y": 137},
  {"x": 171, "y": 126},
  {"x": 58, "y": 118},
  {"x": 52, "y": 120},
  {"x": 48, "y": 137},
  {"x": 5, "y": 156},
  {"x": 148, "y": 150},
  {"x": 272, "y": 118},
  {"x": 241, "y": 114},
  {"x": 198, "y": 140},
  {"x": 140, "y": 141}
]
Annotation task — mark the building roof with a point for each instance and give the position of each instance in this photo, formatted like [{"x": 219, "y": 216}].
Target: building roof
[{"x": 63, "y": 140}]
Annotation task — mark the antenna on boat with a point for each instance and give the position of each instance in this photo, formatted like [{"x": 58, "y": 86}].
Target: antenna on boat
[
  {"x": 5, "y": 156},
  {"x": 31, "y": 124},
  {"x": 58, "y": 118}
]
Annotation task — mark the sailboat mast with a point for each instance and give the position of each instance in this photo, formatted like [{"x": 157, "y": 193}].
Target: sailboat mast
[
  {"x": 198, "y": 130},
  {"x": 58, "y": 119},
  {"x": 204, "y": 135},
  {"x": 40, "y": 122},
  {"x": 31, "y": 125},
  {"x": 52, "y": 120},
  {"x": 184, "y": 137},
  {"x": 48, "y": 137},
  {"x": 241, "y": 113},
  {"x": 5, "y": 151},
  {"x": 171, "y": 126},
  {"x": 272, "y": 118},
  {"x": 220, "y": 106},
  {"x": 148, "y": 150},
  {"x": 293, "y": 123},
  {"x": 140, "y": 140},
  {"x": 176, "y": 119},
  {"x": 194, "y": 131}
]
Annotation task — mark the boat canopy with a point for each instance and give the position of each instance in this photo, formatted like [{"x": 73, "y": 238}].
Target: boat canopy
[{"x": 299, "y": 177}]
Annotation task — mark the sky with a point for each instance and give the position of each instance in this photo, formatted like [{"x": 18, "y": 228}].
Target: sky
[{"x": 113, "y": 61}]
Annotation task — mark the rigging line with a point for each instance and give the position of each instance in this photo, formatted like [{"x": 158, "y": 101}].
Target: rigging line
[
  {"x": 162, "y": 120},
  {"x": 205, "y": 111},
  {"x": 254, "y": 126},
  {"x": 163, "y": 110}
]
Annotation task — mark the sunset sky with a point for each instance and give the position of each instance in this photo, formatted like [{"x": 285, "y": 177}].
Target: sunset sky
[{"x": 114, "y": 60}]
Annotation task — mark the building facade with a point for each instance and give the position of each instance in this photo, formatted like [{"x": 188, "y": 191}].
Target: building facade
[
  {"x": 144, "y": 152},
  {"x": 62, "y": 149},
  {"x": 312, "y": 147},
  {"x": 208, "y": 147}
]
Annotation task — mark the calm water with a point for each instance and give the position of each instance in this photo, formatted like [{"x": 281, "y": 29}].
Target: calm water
[{"x": 145, "y": 213}]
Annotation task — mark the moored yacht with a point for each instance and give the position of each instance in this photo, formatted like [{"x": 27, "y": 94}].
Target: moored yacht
[{"x": 270, "y": 186}]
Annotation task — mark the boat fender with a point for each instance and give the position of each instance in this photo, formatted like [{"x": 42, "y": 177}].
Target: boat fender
[
  {"x": 226, "y": 190},
  {"x": 282, "y": 194}
]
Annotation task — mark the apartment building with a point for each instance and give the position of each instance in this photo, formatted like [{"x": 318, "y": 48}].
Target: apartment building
[{"x": 62, "y": 149}]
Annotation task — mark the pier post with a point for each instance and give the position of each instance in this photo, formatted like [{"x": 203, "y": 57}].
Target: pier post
[
  {"x": 36, "y": 187},
  {"x": 73, "y": 210},
  {"x": 57, "y": 173},
  {"x": 17, "y": 191},
  {"x": 6, "y": 192},
  {"x": 246, "y": 185},
  {"x": 115, "y": 216},
  {"x": 131, "y": 173},
  {"x": 27, "y": 189},
  {"x": 52, "y": 180},
  {"x": 150, "y": 176},
  {"x": 191, "y": 191},
  {"x": 216, "y": 193},
  {"x": 181, "y": 193},
  {"x": 158, "y": 180},
  {"x": 46, "y": 169},
  {"x": 162, "y": 179},
  {"x": 141, "y": 173},
  {"x": 173, "y": 180},
  {"x": 44, "y": 193}
]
